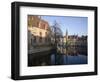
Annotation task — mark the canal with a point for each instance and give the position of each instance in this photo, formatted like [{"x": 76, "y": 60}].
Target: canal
[{"x": 55, "y": 59}]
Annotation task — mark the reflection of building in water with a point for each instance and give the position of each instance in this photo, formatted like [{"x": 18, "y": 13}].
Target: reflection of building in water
[
  {"x": 38, "y": 34},
  {"x": 74, "y": 44}
]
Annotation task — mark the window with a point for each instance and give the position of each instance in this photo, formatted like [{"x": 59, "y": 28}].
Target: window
[
  {"x": 40, "y": 37},
  {"x": 31, "y": 41},
  {"x": 46, "y": 34},
  {"x": 40, "y": 33},
  {"x": 43, "y": 26},
  {"x": 34, "y": 39},
  {"x": 37, "y": 24}
]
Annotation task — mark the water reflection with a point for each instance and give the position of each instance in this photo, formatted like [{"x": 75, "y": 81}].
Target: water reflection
[
  {"x": 69, "y": 56},
  {"x": 54, "y": 59},
  {"x": 66, "y": 59}
]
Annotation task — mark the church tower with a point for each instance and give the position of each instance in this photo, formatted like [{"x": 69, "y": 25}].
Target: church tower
[{"x": 66, "y": 34}]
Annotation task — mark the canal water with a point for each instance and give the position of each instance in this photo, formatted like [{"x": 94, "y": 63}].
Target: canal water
[
  {"x": 55, "y": 59},
  {"x": 67, "y": 59}
]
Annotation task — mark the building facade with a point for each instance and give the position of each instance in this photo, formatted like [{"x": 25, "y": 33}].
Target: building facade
[
  {"x": 39, "y": 34},
  {"x": 74, "y": 44}
]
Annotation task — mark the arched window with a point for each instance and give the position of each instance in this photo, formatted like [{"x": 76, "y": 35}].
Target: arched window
[
  {"x": 40, "y": 37},
  {"x": 31, "y": 41},
  {"x": 34, "y": 39},
  {"x": 46, "y": 37}
]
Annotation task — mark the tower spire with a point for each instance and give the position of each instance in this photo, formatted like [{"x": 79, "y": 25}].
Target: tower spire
[{"x": 66, "y": 34}]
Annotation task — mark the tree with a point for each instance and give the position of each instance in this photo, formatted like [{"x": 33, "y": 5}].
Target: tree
[{"x": 56, "y": 34}]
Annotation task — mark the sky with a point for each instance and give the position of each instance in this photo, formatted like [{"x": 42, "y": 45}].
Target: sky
[{"x": 74, "y": 25}]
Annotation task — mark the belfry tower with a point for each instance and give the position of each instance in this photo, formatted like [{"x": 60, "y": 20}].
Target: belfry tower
[{"x": 66, "y": 35}]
